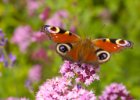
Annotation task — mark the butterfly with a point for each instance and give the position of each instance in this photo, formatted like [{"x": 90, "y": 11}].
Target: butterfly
[{"x": 72, "y": 47}]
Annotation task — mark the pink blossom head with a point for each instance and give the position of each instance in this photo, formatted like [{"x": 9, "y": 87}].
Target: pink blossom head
[
  {"x": 45, "y": 14},
  {"x": 35, "y": 73},
  {"x": 22, "y": 37},
  {"x": 40, "y": 55},
  {"x": 115, "y": 91},
  {"x": 61, "y": 88},
  {"x": 39, "y": 37},
  {"x": 57, "y": 18},
  {"x": 32, "y": 6},
  {"x": 84, "y": 73},
  {"x": 80, "y": 94}
]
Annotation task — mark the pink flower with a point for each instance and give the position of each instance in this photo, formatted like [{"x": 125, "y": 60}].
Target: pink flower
[
  {"x": 115, "y": 91},
  {"x": 57, "y": 18},
  {"x": 73, "y": 28},
  {"x": 45, "y": 14},
  {"x": 33, "y": 77},
  {"x": 35, "y": 73},
  {"x": 84, "y": 73},
  {"x": 22, "y": 37},
  {"x": 40, "y": 54},
  {"x": 61, "y": 88},
  {"x": 33, "y": 5},
  {"x": 39, "y": 37},
  {"x": 80, "y": 94}
]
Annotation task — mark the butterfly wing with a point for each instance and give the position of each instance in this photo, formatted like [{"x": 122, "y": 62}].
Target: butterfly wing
[
  {"x": 112, "y": 45},
  {"x": 60, "y": 35},
  {"x": 104, "y": 47}
]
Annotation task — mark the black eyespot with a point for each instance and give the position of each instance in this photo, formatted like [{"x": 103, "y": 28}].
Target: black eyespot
[
  {"x": 103, "y": 56},
  {"x": 63, "y": 48}
]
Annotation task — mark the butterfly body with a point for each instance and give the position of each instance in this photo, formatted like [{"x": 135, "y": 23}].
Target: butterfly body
[
  {"x": 81, "y": 51},
  {"x": 71, "y": 47}
]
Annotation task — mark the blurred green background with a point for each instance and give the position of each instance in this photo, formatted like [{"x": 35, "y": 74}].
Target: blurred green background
[{"x": 89, "y": 18}]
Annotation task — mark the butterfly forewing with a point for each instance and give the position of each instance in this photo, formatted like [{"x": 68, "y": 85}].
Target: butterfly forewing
[{"x": 59, "y": 35}]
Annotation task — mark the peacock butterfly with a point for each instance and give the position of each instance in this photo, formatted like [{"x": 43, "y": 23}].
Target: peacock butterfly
[{"x": 72, "y": 47}]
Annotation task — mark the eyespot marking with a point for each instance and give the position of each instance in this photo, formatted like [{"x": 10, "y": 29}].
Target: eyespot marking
[
  {"x": 63, "y": 48},
  {"x": 103, "y": 56},
  {"x": 53, "y": 29},
  {"x": 123, "y": 43}
]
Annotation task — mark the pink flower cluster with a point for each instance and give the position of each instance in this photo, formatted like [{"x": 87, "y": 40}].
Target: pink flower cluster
[
  {"x": 22, "y": 37},
  {"x": 115, "y": 91},
  {"x": 40, "y": 54},
  {"x": 34, "y": 76},
  {"x": 64, "y": 88},
  {"x": 61, "y": 88},
  {"x": 57, "y": 18},
  {"x": 33, "y": 5},
  {"x": 84, "y": 73},
  {"x": 35, "y": 73}
]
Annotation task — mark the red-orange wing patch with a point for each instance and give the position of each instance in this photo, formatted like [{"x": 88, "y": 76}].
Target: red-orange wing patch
[
  {"x": 59, "y": 35},
  {"x": 112, "y": 45}
]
